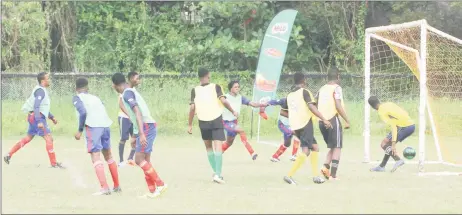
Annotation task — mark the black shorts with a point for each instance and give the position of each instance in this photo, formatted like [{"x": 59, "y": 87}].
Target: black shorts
[
  {"x": 332, "y": 136},
  {"x": 126, "y": 128},
  {"x": 306, "y": 135},
  {"x": 212, "y": 130}
]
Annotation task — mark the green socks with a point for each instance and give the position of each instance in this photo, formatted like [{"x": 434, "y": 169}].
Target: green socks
[
  {"x": 212, "y": 161},
  {"x": 218, "y": 162}
]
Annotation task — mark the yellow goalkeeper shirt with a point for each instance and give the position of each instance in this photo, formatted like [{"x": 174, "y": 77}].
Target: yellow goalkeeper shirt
[{"x": 394, "y": 116}]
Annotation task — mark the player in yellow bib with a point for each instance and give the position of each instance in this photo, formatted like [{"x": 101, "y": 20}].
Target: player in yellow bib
[
  {"x": 331, "y": 105},
  {"x": 300, "y": 107},
  {"x": 402, "y": 127},
  {"x": 207, "y": 101}
]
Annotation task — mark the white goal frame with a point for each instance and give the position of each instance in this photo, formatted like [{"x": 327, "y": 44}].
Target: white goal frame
[{"x": 423, "y": 105}]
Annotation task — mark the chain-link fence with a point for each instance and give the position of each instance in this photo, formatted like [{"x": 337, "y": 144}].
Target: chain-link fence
[{"x": 167, "y": 95}]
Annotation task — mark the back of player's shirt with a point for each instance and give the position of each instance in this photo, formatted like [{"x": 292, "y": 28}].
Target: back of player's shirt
[
  {"x": 132, "y": 98},
  {"x": 326, "y": 100},
  {"x": 96, "y": 112},
  {"x": 44, "y": 105},
  {"x": 297, "y": 104},
  {"x": 394, "y": 115}
]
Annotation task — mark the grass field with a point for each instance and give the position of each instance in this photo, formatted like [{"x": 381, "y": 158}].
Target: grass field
[{"x": 30, "y": 186}]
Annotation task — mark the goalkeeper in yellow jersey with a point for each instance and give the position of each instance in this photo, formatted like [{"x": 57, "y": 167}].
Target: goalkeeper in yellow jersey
[{"x": 402, "y": 127}]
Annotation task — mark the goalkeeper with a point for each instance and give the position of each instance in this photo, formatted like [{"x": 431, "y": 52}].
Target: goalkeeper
[{"x": 402, "y": 127}]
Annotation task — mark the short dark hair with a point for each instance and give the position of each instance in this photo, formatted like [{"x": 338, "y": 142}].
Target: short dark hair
[
  {"x": 41, "y": 76},
  {"x": 131, "y": 75},
  {"x": 118, "y": 78},
  {"x": 299, "y": 78},
  {"x": 332, "y": 73},
  {"x": 231, "y": 84},
  {"x": 373, "y": 101},
  {"x": 202, "y": 72},
  {"x": 81, "y": 83}
]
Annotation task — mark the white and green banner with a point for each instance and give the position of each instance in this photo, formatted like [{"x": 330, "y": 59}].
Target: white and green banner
[{"x": 272, "y": 53}]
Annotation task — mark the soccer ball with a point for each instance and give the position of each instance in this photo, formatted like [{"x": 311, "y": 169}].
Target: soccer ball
[{"x": 409, "y": 153}]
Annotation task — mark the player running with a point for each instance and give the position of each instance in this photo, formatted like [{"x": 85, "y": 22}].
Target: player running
[
  {"x": 300, "y": 107},
  {"x": 38, "y": 108},
  {"x": 331, "y": 105},
  {"x": 207, "y": 101},
  {"x": 125, "y": 125},
  {"x": 230, "y": 121},
  {"x": 287, "y": 133},
  {"x": 94, "y": 119},
  {"x": 145, "y": 130},
  {"x": 402, "y": 127}
]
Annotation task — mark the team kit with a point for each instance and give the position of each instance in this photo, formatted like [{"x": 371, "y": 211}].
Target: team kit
[{"x": 217, "y": 112}]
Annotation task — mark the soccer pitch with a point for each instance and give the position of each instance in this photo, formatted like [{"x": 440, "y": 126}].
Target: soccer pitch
[{"x": 30, "y": 186}]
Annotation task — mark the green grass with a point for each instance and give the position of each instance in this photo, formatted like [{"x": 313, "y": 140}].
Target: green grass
[{"x": 29, "y": 186}]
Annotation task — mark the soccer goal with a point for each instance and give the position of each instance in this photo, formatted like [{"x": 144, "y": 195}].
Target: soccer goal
[{"x": 419, "y": 68}]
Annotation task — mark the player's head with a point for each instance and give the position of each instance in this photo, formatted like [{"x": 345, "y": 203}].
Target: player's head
[
  {"x": 333, "y": 74},
  {"x": 374, "y": 102},
  {"x": 118, "y": 82},
  {"x": 43, "y": 79},
  {"x": 81, "y": 84},
  {"x": 204, "y": 75},
  {"x": 133, "y": 79},
  {"x": 233, "y": 87},
  {"x": 299, "y": 78}
]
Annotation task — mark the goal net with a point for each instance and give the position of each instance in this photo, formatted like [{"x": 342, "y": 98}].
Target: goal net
[{"x": 419, "y": 68}]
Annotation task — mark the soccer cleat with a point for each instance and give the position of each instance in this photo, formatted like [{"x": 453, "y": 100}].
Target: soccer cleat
[
  {"x": 318, "y": 180},
  {"x": 325, "y": 172},
  {"x": 7, "y": 159},
  {"x": 275, "y": 160},
  {"x": 397, "y": 165},
  {"x": 254, "y": 156},
  {"x": 58, "y": 165},
  {"x": 131, "y": 162},
  {"x": 218, "y": 179},
  {"x": 161, "y": 189},
  {"x": 293, "y": 158},
  {"x": 289, "y": 180},
  {"x": 122, "y": 164},
  {"x": 377, "y": 169},
  {"x": 103, "y": 192},
  {"x": 117, "y": 190}
]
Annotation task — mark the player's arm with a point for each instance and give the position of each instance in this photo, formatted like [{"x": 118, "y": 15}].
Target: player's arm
[
  {"x": 129, "y": 97},
  {"x": 223, "y": 99},
  {"x": 309, "y": 100},
  {"x": 78, "y": 104},
  {"x": 39, "y": 94},
  {"x": 384, "y": 115},
  {"x": 338, "y": 104},
  {"x": 246, "y": 101},
  {"x": 122, "y": 106},
  {"x": 284, "y": 107},
  {"x": 192, "y": 110}
]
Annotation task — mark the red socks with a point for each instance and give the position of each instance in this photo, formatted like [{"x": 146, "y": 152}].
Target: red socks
[
  {"x": 50, "y": 151},
  {"x": 279, "y": 152},
  {"x": 224, "y": 147},
  {"x": 150, "y": 173},
  {"x": 99, "y": 168},
  {"x": 114, "y": 173},
  {"x": 295, "y": 147},
  {"x": 246, "y": 144},
  {"x": 19, "y": 145}
]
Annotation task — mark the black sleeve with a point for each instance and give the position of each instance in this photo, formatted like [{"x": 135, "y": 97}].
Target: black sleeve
[
  {"x": 193, "y": 95},
  {"x": 219, "y": 91},
  {"x": 307, "y": 97},
  {"x": 284, "y": 104}
]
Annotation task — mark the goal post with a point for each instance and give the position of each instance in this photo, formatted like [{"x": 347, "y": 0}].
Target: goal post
[{"x": 412, "y": 64}]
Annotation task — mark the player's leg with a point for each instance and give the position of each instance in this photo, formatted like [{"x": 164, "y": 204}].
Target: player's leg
[
  {"x": 31, "y": 132},
  {"x": 230, "y": 134},
  {"x": 325, "y": 135},
  {"x": 335, "y": 145},
  {"x": 46, "y": 134},
  {"x": 246, "y": 143},
  {"x": 403, "y": 133},
  {"x": 207, "y": 138},
  {"x": 386, "y": 146},
  {"x": 287, "y": 134},
  {"x": 106, "y": 144},
  {"x": 143, "y": 153},
  {"x": 133, "y": 145},
  {"x": 295, "y": 147},
  {"x": 94, "y": 147},
  {"x": 218, "y": 136}
]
